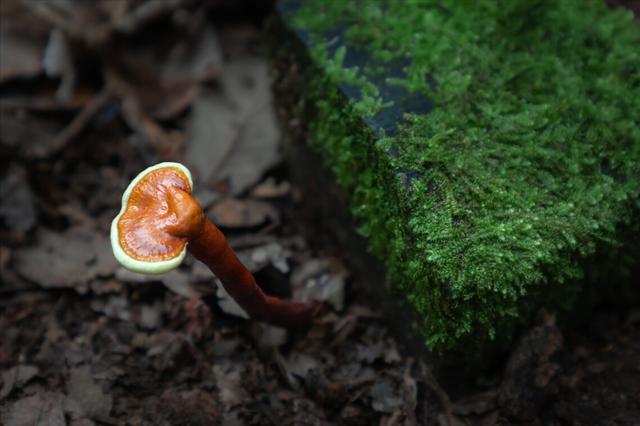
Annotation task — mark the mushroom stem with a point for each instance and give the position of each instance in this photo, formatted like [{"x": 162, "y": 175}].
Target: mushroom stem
[
  {"x": 160, "y": 216},
  {"x": 211, "y": 247}
]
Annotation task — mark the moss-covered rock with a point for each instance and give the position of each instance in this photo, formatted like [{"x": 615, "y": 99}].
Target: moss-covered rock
[{"x": 488, "y": 147}]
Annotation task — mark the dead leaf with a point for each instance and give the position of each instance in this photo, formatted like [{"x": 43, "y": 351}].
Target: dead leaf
[
  {"x": 213, "y": 130},
  {"x": 410, "y": 393},
  {"x": 194, "y": 59},
  {"x": 151, "y": 315},
  {"x": 270, "y": 189},
  {"x": 322, "y": 280},
  {"x": 229, "y": 382},
  {"x": 234, "y": 132},
  {"x": 176, "y": 280},
  {"x": 164, "y": 346},
  {"x": 68, "y": 259},
  {"x": 41, "y": 409},
  {"x": 369, "y": 353},
  {"x": 109, "y": 286},
  {"x": 16, "y": 377},
  {"x": 268, "y": 336},
  {"x": 81, "y": 422},
  {"x": 164, "y": 80},
  {"x": 143, "y": 14},
  {"x": 167, "y": 143},
  {"x": 234, "y": 213},
  {"x": 205, "y": 197},
  {"x": 128, "y": 276},
  {"x": 105, "y": 263},
  {"x": 246, "y": 83},
  {"x": 114, "y": 306},
  {"x": 530, "y": 368},
  {"x": 227, "y": 304},
  {"x": 193, "y": 406},
  {"x": 385, "y": 350},
  {"x": 481, "y": 403},
  {"x": 259, "y": 257},
  {"x": 20, "y": 46},
  {"x": 78, "y": 19},
  {"x": 201, "y": 273},
  {"x": 254, "y": 153},
  {"x": 450, "y": 420},
  {"x": 301, "y": 364},
  {"x": 75, "y": 126},
  {"x": 200, "y": 319},
  {"x": 17, "y": 211},
  {"x": 58, "y": 63},
  {"x": 88, "y": 394},
  {"x": 385, "y": 396},
  {"x": 287, "y": 375}
]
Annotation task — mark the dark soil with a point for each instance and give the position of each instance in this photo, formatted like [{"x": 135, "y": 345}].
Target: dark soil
[{"x": 85, "y": 342}]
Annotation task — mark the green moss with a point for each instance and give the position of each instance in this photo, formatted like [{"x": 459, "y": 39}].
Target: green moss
[{"x": 528, "y": 161}]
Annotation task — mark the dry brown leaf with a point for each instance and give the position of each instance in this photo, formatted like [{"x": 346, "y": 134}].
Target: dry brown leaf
[
  {"x": 213, "y": 131},
  {"x": 88, "y": 394},
  {"x": 16, "y": 377},
  {"x": 70, "y": 261},
  {"x": 234, "y": 131},
  {"x": 270, "y": 189},
  {"x": 17, "y": 210},
  {"x": 229, "y": 381},
  {"x": 386, "y": 396},
  {"x": 163, "y": 80},
  {"x": 22, "y": 42},
  {"x": 197, "y": 405},
  {"x": 234, "y": 213},
  {"x": 41, "y": 409},
  {"x": 320, "y": 279}
]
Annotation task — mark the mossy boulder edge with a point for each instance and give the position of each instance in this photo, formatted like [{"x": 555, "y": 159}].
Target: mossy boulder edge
[{"x": 515, "y": 156}]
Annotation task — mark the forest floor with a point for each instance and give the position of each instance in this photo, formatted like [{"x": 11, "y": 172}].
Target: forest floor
[{"x": 85, "y": 342}]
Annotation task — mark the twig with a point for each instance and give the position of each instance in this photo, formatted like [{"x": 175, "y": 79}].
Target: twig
[
  {"x": 144, "y": 14},
  {"x": 410, "y": 393},
  {"x": 100, "y": 35},
  {"x": 282, "y": 368},
  {"x": 79, "y": 122},
  {"x": 119, "y": 10},
  {"x": 46, "y": 12},
  {"x": 443, "y": 397},
  {"x": 39, "y": 104},
  {"x": 166, "y": 143}
]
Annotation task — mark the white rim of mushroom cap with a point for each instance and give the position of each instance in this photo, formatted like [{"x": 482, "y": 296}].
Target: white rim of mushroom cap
[{"x": 142, "y": 266}]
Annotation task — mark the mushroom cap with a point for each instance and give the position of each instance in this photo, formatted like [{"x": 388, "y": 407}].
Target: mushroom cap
[{"x": 139, "y": 239}]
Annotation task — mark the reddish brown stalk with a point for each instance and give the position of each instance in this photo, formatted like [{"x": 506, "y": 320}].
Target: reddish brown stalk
[
  {"x": 211, "y": 248},
  {"x": 161, "y": 216},
  {"x": 208, "y": 244}
]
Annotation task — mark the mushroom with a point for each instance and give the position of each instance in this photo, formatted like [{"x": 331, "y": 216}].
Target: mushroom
[{"x": 160, "y": 221}]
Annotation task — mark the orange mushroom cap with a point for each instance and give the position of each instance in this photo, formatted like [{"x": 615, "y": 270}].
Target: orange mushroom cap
[{"x": 148, "y": 235}]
